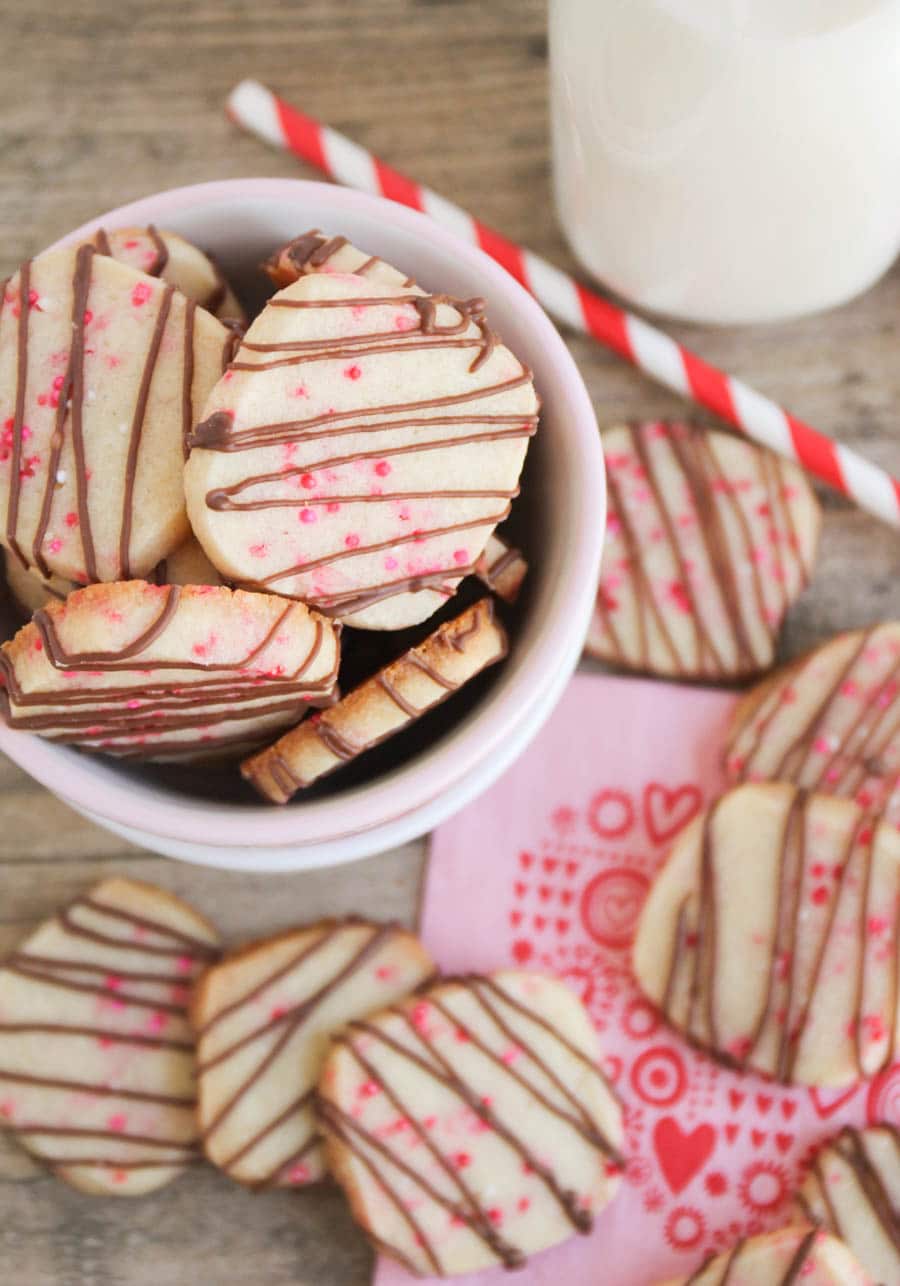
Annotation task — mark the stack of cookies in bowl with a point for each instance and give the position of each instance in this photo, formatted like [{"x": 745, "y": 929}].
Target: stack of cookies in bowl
[{"x": 194, "y": 511}]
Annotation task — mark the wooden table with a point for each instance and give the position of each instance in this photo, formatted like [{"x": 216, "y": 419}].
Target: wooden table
[{"x": 104, "y": 102}]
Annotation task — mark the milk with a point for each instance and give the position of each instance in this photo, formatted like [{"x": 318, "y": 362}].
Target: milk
[{"x": 728, "y": 160}]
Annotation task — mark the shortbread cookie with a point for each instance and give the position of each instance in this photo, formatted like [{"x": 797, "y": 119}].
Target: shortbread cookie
[
  {"x": 853, "y": 1190},
  {"x": 470, "y": 1125},
  {"x": 709, "y": 540},
  {"x": 789, "y": 1257},
  {"x": 396, "y": 696},
  {"x": 770, "y": 936},
  {"x": 829, "y": 721},
  {"x": 314, "y": 252},
  {"x": 161, "y": 253},
  {"x": 360, "y": 449},
  {"x": 96, "y": 1052},
  {"x": 264, "y": 1018},
  {"x": 102, "y": 372},
  {"x": 163, "y": 672},
  {"x": 502, "y": 568},
  {"x": 29, "y": 589}
]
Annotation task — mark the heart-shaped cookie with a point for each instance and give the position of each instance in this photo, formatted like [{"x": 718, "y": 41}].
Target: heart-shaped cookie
[
  {"x": 770, "y": 936},
  {"x": 361, "y": 448},
  {"x": 709, "y": 540},
  {"x": 102, "y": 371}
]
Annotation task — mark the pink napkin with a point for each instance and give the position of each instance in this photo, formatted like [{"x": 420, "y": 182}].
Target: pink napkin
[{"x": 548, "y": 871}]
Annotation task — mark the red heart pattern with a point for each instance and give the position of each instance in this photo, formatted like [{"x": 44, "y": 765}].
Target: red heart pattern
[
  {"x": 667, "y": 811},
  {"x": 827, "y": 1103},
  {"x": 681, "y": 1155}
]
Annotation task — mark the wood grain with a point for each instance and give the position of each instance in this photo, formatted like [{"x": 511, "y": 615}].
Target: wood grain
[{"x": 104, "y": 102}]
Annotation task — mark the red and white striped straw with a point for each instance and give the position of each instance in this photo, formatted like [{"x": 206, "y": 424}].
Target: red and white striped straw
[{"x": 261, "y": 112}]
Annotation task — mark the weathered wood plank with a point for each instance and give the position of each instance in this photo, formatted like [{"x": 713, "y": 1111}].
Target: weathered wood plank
[{"x": 101, "y": 103}]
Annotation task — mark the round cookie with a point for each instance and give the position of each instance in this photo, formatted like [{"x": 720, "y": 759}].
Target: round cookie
[
  {"x": 360, "y": 449},
  {"x": 264, "y": 1018},
  {"x": 829, "y": 721},
  {"x": 853, "y": 1190},
  {"x": 96, "y": 1052},
  {"x": 165, "y": 672},
  {"x": 788, "y": 1257},
  {"x": 709, "y": 541},
  {"x": 770, "y": 936},
  {"x": 102, "y": 372},
  {"x": 470, "y": 1124},
  {"x": 160, "y": 253},
  {"x": 382, "y": 706}
]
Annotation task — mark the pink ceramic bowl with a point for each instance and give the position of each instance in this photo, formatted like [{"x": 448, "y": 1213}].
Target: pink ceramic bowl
[{"x": 560, "y": 519}]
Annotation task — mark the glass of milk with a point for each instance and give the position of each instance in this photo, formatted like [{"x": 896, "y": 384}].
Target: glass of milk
[{"x": 728, "y": 160}]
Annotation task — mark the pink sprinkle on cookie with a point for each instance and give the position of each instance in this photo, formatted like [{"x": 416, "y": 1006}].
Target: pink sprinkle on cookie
[
  {"x": 255, "y": 1100},
  {"x": 438, "y": 1087}
]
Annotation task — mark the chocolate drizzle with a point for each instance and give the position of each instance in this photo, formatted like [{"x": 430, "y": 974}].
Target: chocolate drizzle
[
  {"x": 94, "y": 936},
  {"x": 832, "y": 750},
  {"x": 217, "y": 295},
  {"x": 502, "y": 568},
  {"x": 276, "y": 1097},
  {"x": 129, "y": 718},
  {"x": 874, "y": 1175},
  {"x": 74, "y": 389},
  {"x": 311, "y": 250},
  {"x": 726, "y": 1263},
  {"x": 743, "y": 644},
  {"x": 187, "y": 376},
  {"x": 277, "y": 772},
  {"x": 400, "y": 1041},
  {"x": 795, "y": 1267},
  {"x": 157, "y": 267},
  {"x": 773, "y": 1039},
  {"x": 69, "y": 419},
  {"x": 137, "y": 428}
]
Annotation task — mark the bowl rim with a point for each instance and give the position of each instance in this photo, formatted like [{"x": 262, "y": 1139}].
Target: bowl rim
[{"x": 486, "y": 729}]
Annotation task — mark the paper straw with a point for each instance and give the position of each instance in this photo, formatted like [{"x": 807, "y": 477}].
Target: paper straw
[{"x": 258, "y": 110}]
